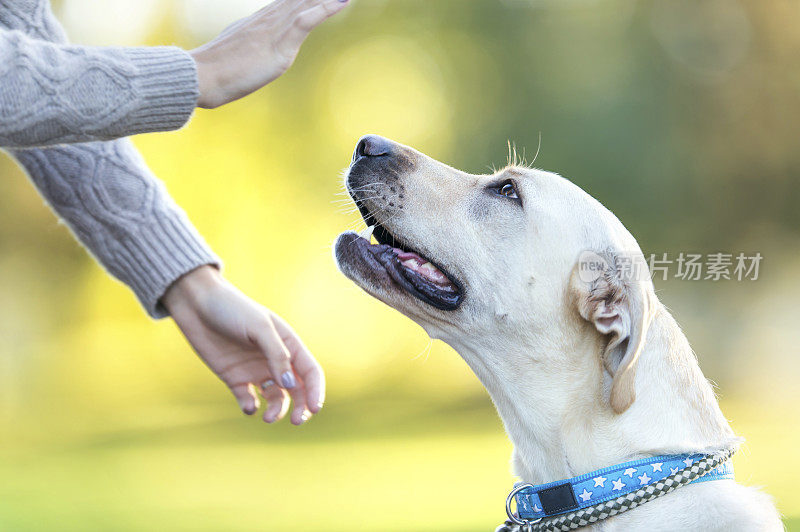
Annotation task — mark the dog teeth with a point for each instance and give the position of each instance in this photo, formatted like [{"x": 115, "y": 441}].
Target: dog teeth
[
  {"x": 428, "y": 270},
  {"x": 366, "y": 234},
  {"x": 411, "y": 264},
  {"x": 428, "y": 267},
  {"x": 434, "y": 273}
]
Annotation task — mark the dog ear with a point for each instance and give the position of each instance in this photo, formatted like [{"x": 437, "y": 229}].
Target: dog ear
[{"x": 611, "y": 291}]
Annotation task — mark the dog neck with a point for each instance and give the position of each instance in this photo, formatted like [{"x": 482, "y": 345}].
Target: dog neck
[{"x": 552, "y": 396}]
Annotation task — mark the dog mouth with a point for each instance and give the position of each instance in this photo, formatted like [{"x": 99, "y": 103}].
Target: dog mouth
[{"x": 406, "y": 268}]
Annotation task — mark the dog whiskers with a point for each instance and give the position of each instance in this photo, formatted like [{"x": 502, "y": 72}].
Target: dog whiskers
[
  {"x": 426, "y": 351},
  {"x": 515, "y": 159},
  {"x": 538, "y": 149}
]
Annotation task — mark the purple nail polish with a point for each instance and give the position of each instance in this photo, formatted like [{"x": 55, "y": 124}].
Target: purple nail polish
[{"x": 288, "y": 381}]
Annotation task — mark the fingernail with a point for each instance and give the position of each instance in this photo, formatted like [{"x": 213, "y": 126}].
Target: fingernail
[
  {"x": 343, "y": 1},
  {"x": 249, "y": 410},
  {"x": 287, "y": 379}
]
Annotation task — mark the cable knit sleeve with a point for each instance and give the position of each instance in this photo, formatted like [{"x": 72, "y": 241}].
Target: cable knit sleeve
[
  {"x": 105, "y": 193},
  {"x": 121, "y": 212},
  {"x": 52, "y": 93}
]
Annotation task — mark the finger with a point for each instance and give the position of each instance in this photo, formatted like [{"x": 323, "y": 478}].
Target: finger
[
  {"x": 246, "y": 397},
  {"x": 300, "y": 413},
  {"x": 311, "y": 18},
  {"x": 313, "y": 381},
  {"x": 305, "y": 366},
  {"x": 278, "y": 358},
  {"x": 277, "y": 403}
]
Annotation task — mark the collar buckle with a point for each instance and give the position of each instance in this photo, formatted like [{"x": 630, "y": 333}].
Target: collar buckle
[{"x": 512, "y": 516}]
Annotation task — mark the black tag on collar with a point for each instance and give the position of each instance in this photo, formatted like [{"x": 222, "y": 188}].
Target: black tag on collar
[{"x": 557, "y": 499}]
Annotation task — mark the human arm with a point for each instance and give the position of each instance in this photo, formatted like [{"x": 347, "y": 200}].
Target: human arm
[
  {"x": 58, "y": 93},
  {"x": 122, "y": 213},
  {"x": 124, "y": 216}
]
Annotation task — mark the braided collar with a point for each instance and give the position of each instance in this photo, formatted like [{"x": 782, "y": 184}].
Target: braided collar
[{"x": 576, "y": 502}]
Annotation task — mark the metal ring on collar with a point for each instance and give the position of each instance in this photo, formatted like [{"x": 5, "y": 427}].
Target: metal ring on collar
[{"x": 511, "y": 515}]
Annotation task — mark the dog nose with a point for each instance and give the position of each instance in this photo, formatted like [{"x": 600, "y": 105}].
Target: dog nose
[{"x": 372, "y": 146}]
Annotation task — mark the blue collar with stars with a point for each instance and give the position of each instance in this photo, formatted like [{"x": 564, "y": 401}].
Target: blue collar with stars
[{"x": 555, "y": 498}]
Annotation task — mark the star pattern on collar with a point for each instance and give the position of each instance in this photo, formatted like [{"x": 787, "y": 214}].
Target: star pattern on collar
[
  {"x": 688, "y": 462},
  {"x": 586, "y": 495},
  {"x": 599, "y": 482},
  {"x": 618, "y": 484},
  {"x": 657, "y": 466},
  {"x": 644, "y": 479},
  {"x": 630, "y": 471}
]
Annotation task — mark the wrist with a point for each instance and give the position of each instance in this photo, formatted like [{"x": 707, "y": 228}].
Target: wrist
[
  {"x": 188, "y": 289},
  {"x": 205, "y": 80}
]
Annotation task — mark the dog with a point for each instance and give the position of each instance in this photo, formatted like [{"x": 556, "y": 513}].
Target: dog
[{"x": 520, "y": 272}]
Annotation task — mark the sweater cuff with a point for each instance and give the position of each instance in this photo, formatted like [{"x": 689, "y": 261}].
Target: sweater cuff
[
  {"x": 167, "y": 86},
  {"x": 158, "y": 254}
]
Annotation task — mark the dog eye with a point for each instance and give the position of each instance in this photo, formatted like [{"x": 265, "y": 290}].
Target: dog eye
[{"x": 506, "y": 189}]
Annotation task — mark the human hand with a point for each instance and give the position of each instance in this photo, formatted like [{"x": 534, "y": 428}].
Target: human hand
[
  {"x": 257, "y": 49},
  {"x": 246, "y": 345}
]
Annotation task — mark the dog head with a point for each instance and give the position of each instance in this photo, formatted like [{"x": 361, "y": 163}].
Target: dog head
[{"x": 520, "y": 253}]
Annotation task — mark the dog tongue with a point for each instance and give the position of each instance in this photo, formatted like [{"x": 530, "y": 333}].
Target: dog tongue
[{"x": 417, "y": 264}]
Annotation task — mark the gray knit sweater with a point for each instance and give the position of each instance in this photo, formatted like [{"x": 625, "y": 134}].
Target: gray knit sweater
[{"x": 54, "y": 94}]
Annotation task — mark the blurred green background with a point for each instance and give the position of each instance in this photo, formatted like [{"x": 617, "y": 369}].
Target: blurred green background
[{"x": 682, "y": 117}]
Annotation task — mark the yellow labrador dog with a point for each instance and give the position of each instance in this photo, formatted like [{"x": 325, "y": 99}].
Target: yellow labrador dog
[{"x": 522, "y": 273}]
